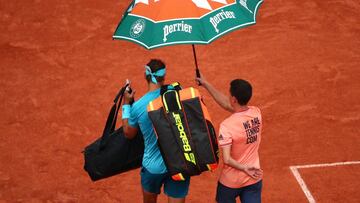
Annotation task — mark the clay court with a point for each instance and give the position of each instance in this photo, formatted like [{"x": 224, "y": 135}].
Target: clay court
[{"x": 60, "y": 69}]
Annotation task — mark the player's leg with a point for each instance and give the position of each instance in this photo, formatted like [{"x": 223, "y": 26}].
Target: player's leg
[
  {"x": 225, "y": 194},
  {"x": 149, "y": 197},
  {"x": 176, "y": 200},
  {"x": 251, "y": 193},
  {"x": 151, "y": 185},
  {"x": 176, "y": 190}
]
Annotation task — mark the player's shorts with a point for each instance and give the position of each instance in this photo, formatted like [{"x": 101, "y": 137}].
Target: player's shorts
[
  {"x": 247, "y": 194},
  {"x": 153, "y": 182}
]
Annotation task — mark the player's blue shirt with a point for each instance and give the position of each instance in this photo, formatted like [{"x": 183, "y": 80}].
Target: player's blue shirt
[{"x": 152, "y": 159}]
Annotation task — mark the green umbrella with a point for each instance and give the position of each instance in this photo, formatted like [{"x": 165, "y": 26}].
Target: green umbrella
[{"x": 157, "y": 23}]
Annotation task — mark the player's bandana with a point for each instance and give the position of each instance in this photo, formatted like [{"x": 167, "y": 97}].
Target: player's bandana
[{"x": 158, "y": 73}]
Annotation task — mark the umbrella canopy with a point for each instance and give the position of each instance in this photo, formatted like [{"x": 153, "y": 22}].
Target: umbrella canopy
[{"x": 157, "y": 23}]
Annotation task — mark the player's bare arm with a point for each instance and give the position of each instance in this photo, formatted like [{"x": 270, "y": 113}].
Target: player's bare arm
[{"x": 129, "y": 131}]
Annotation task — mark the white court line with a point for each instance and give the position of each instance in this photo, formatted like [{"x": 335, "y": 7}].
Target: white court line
[{"x": 295, "y": 171}]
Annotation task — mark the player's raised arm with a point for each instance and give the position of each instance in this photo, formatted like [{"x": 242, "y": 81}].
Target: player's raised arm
[{"x": 129, "y": 131}]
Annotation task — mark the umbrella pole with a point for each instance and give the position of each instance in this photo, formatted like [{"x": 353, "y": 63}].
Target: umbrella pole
[{"x": 196, "y": 65}]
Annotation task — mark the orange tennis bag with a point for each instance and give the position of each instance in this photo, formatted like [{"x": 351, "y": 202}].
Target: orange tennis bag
[{"x": 186, "y": 136}]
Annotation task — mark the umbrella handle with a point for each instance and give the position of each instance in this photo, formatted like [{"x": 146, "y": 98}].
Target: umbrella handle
[{"x": 197, "y": 71}]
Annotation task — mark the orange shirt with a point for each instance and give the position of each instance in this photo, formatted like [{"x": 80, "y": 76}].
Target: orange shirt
[{"x": 242, "y": 130}]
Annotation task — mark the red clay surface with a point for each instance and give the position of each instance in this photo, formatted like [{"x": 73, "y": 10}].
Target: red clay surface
[
  {"x": 60, "y": 69},
  {"x": 339, "y": 181}
]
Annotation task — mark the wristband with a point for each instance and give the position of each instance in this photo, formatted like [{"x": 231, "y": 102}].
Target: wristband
[{"x": 126, "y": 109}]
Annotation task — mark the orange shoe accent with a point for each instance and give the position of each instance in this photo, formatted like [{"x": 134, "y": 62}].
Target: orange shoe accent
[{"x": 178, "y": 177}]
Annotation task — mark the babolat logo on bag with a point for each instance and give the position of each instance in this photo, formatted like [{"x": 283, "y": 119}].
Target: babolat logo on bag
[{"x": 188, "y": 148}]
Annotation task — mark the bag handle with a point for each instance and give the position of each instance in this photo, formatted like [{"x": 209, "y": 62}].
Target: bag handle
[
  {"x": 173, "y": 86},
  {"x": 112, "y": 117},
  {"x": 121, "y": 95}
]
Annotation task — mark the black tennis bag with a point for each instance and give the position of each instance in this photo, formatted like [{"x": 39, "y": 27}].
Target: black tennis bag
[
  {"x": 113, "y": 153},
  {"x": 186, "y": 136}
]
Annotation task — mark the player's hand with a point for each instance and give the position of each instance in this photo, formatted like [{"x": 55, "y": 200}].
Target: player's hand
[
  {"x": 253, "y": 172},
  {"x": 129, "y": 95}
]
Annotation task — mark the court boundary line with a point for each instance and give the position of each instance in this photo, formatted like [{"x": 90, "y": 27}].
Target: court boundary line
[{"x": 300, "y": 180}]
